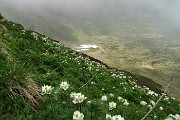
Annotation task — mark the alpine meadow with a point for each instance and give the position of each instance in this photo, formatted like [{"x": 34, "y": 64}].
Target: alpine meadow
[{"x": 89, "y": 60}]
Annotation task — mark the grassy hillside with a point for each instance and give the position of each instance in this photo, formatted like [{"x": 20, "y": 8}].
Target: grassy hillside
[
  {"x": 141, "y": 37},
  {"x": 29, "y": 60}
]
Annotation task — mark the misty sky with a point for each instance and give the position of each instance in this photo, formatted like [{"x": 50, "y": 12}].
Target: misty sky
[
  {"x": 98, "y": 13},
  {"x": 168, "y": 9}
]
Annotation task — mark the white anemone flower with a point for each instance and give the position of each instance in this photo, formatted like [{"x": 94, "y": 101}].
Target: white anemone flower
[
  {"x": 112, "y": 105},
  {"x": 126, "y": 103},
  {"x": 143, "y": 103},
  {"x": 117, "y": 117},
  {"x": 78, "y": 98},
  {"x": 173, "y": 117},
  {"x": 72, "y": 95},
  {"x": 78, "y": 116},
  {"x": 75, "y": 101},
  {"x": 150, "y": 106},
  {"x": 104, "y": 98},
  {"x": 177, "y": 116},
  {"x": 150, "y": 92},
  {"x": 108, "y": 117},
  {"x": 120, "y": 98},
  {"x": 112, "y": 95},
  {"x": 161, "y": 108},
  {"x": 152, "y": 102},
  {"x": 89, "y": 102},
  {"x": 168, "y": 118},
  {"x": 46, "y": 89},
  {"x": 64, "y": 85}
]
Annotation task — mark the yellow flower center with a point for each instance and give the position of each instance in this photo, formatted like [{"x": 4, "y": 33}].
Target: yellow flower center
[
  {"x": 76, "y": 115},
  {"x": 116, "y": 119}
]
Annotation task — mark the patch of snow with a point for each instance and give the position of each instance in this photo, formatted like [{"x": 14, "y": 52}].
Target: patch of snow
[{"x": 85, "y": 47}]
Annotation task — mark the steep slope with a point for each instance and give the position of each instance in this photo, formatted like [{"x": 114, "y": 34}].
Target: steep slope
[
  {"x": 137, "y": 36},
  {"x": 28, "y": 54}
]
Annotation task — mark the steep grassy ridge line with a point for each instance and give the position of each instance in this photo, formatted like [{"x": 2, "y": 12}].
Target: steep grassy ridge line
[{"x": 79, "y": 83}]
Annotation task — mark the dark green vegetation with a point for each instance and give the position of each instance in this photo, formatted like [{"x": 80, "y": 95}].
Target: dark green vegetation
[{"x": 29, "y": 60}]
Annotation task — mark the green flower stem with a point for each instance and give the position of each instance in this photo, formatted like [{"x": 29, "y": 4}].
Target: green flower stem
[
  {"x": 53, "y": 109},
  {"x": 80, "y": 106},
  {"x": 91, "y": 113}
]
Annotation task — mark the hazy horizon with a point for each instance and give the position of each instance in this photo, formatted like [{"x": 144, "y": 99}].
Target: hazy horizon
[{"x": 103, "y": 13}]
